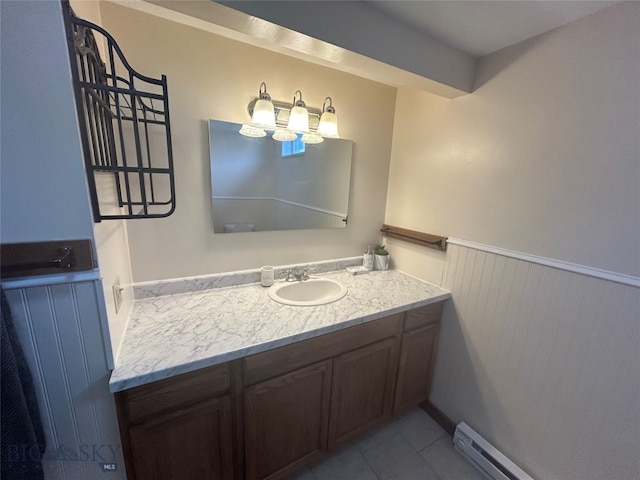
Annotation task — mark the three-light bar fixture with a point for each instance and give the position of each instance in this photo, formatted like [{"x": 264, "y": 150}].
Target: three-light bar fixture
[{"x": 286, "y": 120}]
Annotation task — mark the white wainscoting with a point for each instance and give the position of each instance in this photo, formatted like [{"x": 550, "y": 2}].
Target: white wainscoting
[
  {"x": 544, "y": 363},
  {"x": 60, "y": 330}
]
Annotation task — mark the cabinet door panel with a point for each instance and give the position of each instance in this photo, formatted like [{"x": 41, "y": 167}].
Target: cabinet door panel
[
  {"x": 417, "y": 359},
  {"x": 286, "y": 420},
  {"x": 361, "y": 390},
  {"x": 190, "y": 443}
]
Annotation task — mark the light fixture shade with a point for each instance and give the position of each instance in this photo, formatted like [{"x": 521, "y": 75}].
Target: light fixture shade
[
  {"x": 328, "y": 126},
  {"x": 284, "y": 135},
  {"x": 263, "y": 115},
  {"x": 298, "y": 120},
  {"x": 311, "y": 138},
  {"x": 251, "y": 131}
]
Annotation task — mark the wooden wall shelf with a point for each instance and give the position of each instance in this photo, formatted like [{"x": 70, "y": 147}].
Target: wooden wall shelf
[
  {"x": 412, "y": 236},
  {"x": 45, "y": 258}
]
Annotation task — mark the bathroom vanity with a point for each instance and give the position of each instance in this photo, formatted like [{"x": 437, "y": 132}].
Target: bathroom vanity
[{"x": 261, "y": 405}]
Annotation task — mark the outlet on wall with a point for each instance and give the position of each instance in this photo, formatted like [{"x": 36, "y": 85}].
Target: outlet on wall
[{"x": 117, "y": 293}]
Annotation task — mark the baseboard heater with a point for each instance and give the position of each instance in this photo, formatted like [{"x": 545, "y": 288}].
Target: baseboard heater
[{"x": 484, "y": 456}]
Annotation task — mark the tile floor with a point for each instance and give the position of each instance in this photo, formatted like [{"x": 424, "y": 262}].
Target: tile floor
[{"x": 412, "y": 447}]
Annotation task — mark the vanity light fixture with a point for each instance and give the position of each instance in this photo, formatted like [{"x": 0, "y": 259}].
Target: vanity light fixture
[
  {"x": 311, "y": 138},
  {"x": 299, "y": 116},
  {"x": 283, "y": 135},
  {"x": 287, "y": 120},
  {"x": 328, "y": 127},
  {"x": 251, "y": 131},
  {"x": 264, "y": 115}
]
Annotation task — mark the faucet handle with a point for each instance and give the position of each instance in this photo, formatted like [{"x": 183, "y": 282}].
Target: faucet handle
[
  {"x": 307, "y": 272},
  {"x": 291, "y": 277}
]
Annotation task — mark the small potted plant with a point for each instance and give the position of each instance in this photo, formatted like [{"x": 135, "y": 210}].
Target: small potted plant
[{"x": 382, "y": 257}]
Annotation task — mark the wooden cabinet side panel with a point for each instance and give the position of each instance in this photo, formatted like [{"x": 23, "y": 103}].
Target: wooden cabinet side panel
[
  {"x": 415, "y": 370},
  {"x": 362, "y": 390},
  {"x": 286, "y": 421},
  {"x": 191, "y": 443},
  {"x": 127, "y": 451}
]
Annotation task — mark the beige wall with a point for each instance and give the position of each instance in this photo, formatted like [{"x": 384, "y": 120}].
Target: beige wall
[
  {"x": 213, "y": 77},
  {"x": 112, "y": 245},
  {"x": 542, "y": 158},
  {"x": 87, "y": 10}
]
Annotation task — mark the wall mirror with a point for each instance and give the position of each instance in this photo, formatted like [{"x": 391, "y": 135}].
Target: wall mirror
[{"x": 260, "y": 184}]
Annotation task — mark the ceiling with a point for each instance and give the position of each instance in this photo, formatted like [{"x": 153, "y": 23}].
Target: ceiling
[
  {"x": 480, "y": 27},
  {"x": 386, "y": 41}
]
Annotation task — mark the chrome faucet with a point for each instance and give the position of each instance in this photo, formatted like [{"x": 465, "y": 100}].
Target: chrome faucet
[{"x": 297, "y": 275}]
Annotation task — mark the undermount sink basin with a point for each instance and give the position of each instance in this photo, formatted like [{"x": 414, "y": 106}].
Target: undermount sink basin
[{"x": 307, "y": 293}]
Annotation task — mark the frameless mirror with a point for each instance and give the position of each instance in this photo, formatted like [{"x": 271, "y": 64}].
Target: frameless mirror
[{"x": 261, "y": 184}]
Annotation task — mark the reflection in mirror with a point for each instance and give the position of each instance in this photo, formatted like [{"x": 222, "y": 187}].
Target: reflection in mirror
[{"x": 261, "y": 184}]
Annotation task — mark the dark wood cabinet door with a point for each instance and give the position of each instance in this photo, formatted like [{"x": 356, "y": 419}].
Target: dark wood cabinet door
[
  {"x": 415, "y": 371},
  {"x": 286, "y": 421},
  {"x": 361, "y": 390},
  {"x": 191, "y": 443}
]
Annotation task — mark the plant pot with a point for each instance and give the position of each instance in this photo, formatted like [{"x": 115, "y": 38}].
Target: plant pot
[{"x": 382, "y": 262}]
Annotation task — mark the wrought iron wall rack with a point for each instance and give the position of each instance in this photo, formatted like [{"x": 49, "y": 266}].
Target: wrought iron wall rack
[{"x": 124, "y": 127}]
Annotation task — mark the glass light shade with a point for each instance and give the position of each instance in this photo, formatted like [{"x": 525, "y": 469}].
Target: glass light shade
[
  {"x": 263, "y": 115},
  {"x": 298, "y": 120},
  {"x": 251, "y": 131},
  {"x": 328, "y": 125},
  {"x": 311, "y": 138},
  {"x": 284, "y": 135}
]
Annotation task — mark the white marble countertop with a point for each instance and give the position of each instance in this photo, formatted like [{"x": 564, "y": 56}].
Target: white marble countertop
[{"x": 173, "y": 334}]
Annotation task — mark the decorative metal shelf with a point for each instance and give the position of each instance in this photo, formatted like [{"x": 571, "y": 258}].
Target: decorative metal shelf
[
  {"x": 124, "y": 127},
  {"x": 412, "y": 236}
]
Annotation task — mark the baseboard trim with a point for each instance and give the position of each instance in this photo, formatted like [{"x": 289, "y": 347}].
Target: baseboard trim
[{"x": 439, "y": 416}]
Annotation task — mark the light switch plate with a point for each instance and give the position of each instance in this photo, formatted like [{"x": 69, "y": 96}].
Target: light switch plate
[{"x": 117, "y": 294}]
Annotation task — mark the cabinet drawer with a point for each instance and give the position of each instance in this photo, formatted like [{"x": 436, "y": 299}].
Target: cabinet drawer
[
  {"x": 422, "y": 316},
  {"x": 147, "y": 400},
  {"x": 284, "y": 359}
]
